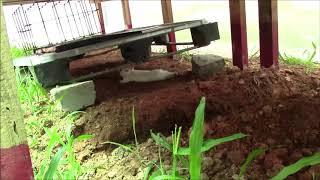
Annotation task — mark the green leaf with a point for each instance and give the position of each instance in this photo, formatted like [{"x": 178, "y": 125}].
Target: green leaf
[
  {"x": 196, "y": 142},
  {"x": 161, "y": 141},
  {"x": 54, "y": 164},
  {"x": 253, "y": 154},
  {"x": 118, "y": 144},
  {"x": 148, "y": 170},
  {"x": 210, "y": 143},
  {"x": 293, "y": 168},
  {"x": 155, "y": 174},
  {"x": 84, "y": 137}
]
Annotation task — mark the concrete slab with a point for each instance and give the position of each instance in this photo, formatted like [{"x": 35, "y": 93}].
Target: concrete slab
[
  {"x": 206, "y": 64},
  {"x": 75, "y": 96}
]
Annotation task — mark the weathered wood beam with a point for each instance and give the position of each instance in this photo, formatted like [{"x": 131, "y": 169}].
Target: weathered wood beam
[
  {"x": 168, "y": 18},
  {"x": 268, "y": 26},
  {"x": 126, "y": 14},
  {"x": 238, "y": 33}
]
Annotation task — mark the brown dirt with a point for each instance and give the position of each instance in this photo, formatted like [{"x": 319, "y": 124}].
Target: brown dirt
[{"x": 278, "y": 109}]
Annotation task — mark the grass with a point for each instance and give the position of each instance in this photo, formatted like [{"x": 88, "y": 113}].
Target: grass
[
  {"x": 18, "y": 52},
  {"x": 307, "y": 60}
]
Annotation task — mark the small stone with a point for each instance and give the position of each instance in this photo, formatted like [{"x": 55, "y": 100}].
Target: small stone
[
  {"x": 207, "y": 64},
  {"x": 236, "y": 157},
  {"x": 207, "y": 162},
  {"x": 112, "y": 174},
  {"x": 267, "y": 109},
  {"x": 241, "y": 81}
]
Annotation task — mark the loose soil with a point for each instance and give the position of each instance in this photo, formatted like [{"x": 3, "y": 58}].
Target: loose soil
[{"x": 278, "y": 109}]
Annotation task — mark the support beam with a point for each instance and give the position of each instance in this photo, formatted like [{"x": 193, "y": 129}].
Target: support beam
[
  {"x": 168, "y": 18},
  {"x": 268, "y": 26},
  {"x": 100, "y": 16},
  {"x": 238, "y": 33},
  {"x": 126, "y": 14}
]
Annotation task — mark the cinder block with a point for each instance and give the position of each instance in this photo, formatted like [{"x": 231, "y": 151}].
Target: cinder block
[
  {"x": 75, "y": 96},
  {"x": 207, "y": 64}
]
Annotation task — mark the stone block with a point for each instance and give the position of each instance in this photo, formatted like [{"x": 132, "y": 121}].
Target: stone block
[{"x": 207, "y": 64}]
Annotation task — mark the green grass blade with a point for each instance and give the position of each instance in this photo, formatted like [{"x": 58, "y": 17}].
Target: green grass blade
[
  {"x": 161, "y": 141},
  {"x": 253, "y": 154},
  {"x": 148, "y": 170},
  {"x": 53, "y": 166},
  {"x": 210, "y": 143},
  {"x": 84, "y": 137},
  {"x": 134, "y": 126},
  {"x": 162, "y": 177},
  {"x": 196, "y": 142},
  {"x": 118, "y": 144},
  {"x": 293, "y": 168}
]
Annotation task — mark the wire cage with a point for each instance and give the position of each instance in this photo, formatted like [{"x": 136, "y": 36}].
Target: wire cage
[{"x": 44, "y": 24}]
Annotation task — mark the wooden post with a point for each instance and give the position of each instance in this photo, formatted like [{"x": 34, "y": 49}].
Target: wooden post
[
  {"x": 126, "y": 14},
  {"x": 14, "y": 151},
  {"x": 268, "y": 26},
  {"x": 100, "y": 16},
  {"x": 238, "y": 33},
  {"x": 168, "y": 18}
]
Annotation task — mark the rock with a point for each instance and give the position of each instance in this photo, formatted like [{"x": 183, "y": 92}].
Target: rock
[
  {"x": 207, "y": 64},
  {"x": 75, "y": 96},
  {"x": 236, "y": 157},
  {"x": 241, "y": 81},
  {"x": 112, "y": 174}
]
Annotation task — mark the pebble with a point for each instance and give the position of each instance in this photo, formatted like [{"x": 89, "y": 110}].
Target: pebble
[
  {"x": 204, "y": 176},
  {"x": 112, "y": 174},
  {"x": 241, "y": 81},
  {"x": 207, "y": 162}
]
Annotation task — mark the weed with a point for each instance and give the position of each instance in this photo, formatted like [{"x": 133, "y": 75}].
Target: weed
[
  {"x": 295, "y": 167},
  {"x": 308, "y": 61},
  {"x": 71, "y": 168},
  {"x": 252, "y": 155},
  {"x": 18, "y": 52},
  {"x": 197, "y": 145}
]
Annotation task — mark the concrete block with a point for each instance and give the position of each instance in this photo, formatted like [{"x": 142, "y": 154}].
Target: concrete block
[
  {"x": 75, "y": 96},
  {"x": 207, "y": 64}
]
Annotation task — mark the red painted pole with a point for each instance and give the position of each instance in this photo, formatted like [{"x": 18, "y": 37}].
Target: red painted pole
[
  {"x": 100, "y": 16},
  {"x": 126, "y": 14},
  {"x": 238, "y": 33},
  {"x": 168, "y": 18},
  {"x": 268, "y": 26},
  {"x": 15, "y": 158}
]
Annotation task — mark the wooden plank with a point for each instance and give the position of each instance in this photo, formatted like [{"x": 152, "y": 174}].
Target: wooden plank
[
  {"x": 126, "y": 14},
  {"x": 268, "y": 26},
  {"x": 168, "y": 18},
  {"x": 15, "y": 161},
  {"x": 238, "y": 33}
]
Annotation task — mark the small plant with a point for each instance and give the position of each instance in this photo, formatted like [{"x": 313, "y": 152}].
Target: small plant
[
  {"x": 297, "y": 166},
  {"x": 196, "y": 146},
  {"x": 65, "y": 156},
  {"x": 18, "y": 52},
  {"x": 252, "y": 155}
]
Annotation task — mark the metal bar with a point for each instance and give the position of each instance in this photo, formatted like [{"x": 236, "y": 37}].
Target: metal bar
[
  {"x": 168, "y": 18},
  {"x": 18, "y": 30},
  {"x": 58, "y": 19},
  {"x": 238, "y": 33},
  {"x": 84, "y": 33},
  {"x": 94, "y": 18},
  {"x": 75, "y": 22},
  {"x": 85, "y": 16},
  {"x": 43, "y": 23},
  {"x": 268, "y": 26},
  {"x": 126, "y": 14},
  {"x": 88, "y": 15},
  {"x": 29, "y": 29},
  {"x": 65, "y": 10},
  {"x": 22, "y": 28}
]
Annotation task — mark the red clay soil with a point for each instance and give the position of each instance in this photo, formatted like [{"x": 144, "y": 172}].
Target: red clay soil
[{"x": 278, "y": 109}]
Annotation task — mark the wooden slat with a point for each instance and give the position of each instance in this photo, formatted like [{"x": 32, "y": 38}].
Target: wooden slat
[
  {"x": 238, "y": 33},
  {"x": 168, "y": 18},
  {"x": 126, "y": 14}
]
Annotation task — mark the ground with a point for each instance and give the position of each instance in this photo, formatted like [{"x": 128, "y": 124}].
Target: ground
[{"x": 278, "y": 109}]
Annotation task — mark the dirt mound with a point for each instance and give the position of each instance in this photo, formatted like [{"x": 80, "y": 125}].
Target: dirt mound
[{"x": 278, "y": 109}]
